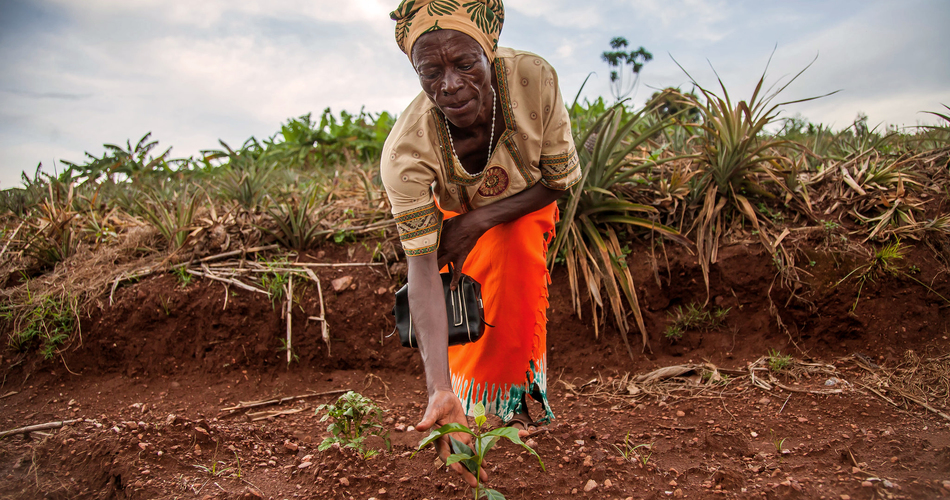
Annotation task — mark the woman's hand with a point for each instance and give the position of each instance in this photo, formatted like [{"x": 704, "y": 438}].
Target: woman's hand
[
  {"x": 460, "y": 233},
  {"x": 445, "y": 408},
  {"x": 459, "y": 236}
]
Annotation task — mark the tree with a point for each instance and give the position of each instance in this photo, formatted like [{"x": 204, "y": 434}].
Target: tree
[
  {"x": 672, "y": 101},
  {"x": 617, "y": 59}
]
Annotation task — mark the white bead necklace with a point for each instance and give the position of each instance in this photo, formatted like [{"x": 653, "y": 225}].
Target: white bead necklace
[{"x": 491, "y": 140}]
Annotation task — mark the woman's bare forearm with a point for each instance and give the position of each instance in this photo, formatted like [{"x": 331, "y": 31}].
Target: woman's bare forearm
[
  {"x": 427, "y": 304},
  {"x": 530, "y": 200}
]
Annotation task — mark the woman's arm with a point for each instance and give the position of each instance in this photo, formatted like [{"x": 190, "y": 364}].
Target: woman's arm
[
  {"x": 427, "y": 304},
  {"x": 459, "y": 234}
]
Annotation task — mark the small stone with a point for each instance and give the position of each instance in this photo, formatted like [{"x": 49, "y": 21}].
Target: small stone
[
  {"x": 608, "y": 483},
  {"x": 170, "y": 419},
  {"x": 764, "y": 401},
  {"x": 532, "y": 444},
  {"x": 588, "y": 462},
  {"x": 591, "y": 484},
  {"x": 381, "y": 291},
  {"x": 410, "y": 428},
  {"x": 143, "y": 445},
  {"x": 845, "y": 497},
  {"x": 867, "y": 484},
  {"x": 802, "y": 420},
  {"x": 306, "y": 458},
  {"x": 304, "y": 465},
  {"x": 946, "y": 485},
  {"x": 579, "y": 442},
  {"x": 754, "y": 434},
  {"x": 673, "y": 483},
  {"x": 201, "y": 430},
  {"x": 680, "y": 413},
  {"x": 382, "y": 491},
  {"x": 344, "y": 481},
  {"x": 292, "y": 447},
  {"x": 400, "y": 428},
  {"x": 146, "y": 472},
  {"x": 341, "y": 284},
  {"x": 894, "y": 460},
  {"x": 678, "y": 493}
]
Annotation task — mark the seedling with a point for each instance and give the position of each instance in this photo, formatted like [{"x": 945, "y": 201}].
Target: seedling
[
  {"x": 166, "y": 304},
  {"x": 283, "y": 348},
  {"x": 779, "y": 361},
  {"x": 778, "y": 443},
  {"x": 673, "y": 333},
  {"x": 355, "y": 417},
  {"x": 184, "y": 277},
  {"x": 484, "y": 441},
  {"x": 635, "y": 453}
]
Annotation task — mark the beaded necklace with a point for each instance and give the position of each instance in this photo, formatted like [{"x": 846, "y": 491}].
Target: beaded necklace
[{"x": 491, "y": 140}]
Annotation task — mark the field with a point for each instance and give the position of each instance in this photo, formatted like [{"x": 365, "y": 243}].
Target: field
[{"x": 740, "y": 307}]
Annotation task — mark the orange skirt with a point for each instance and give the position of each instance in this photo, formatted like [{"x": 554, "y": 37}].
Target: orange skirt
[{"x": 509, "y": 362}]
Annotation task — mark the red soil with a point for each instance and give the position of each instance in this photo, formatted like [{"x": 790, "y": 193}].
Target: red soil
[{"x": 154, "y": 370}]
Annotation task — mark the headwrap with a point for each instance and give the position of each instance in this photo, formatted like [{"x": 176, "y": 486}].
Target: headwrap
[{"x": 479, "y": 19}]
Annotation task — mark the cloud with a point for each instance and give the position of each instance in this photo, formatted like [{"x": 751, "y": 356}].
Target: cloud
[{"x": 559, "y": 13}]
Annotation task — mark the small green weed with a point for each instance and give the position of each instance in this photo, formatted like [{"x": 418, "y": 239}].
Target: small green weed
[
  {"x": 275, "y": 284},
  {"x": 184, "y": 277},
  {"x": 778, "y": 443},
  {"x": 673, "y": 332},
  {"x": 283, "y": 348},
  {"x": 484, "y": 441},
  {"x": 639, "y": 453},
  {"x": 694, "y": 317},
  {"x": 779, "y": 361},
  {"x": 51, "y": 321},
  {"x": 355, "y": 417}
]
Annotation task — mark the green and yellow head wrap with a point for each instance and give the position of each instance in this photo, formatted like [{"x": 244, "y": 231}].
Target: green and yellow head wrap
[{"x": 479, "y": 19}]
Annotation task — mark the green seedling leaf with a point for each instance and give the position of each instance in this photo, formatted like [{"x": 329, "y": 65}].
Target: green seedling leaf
[
  {"x": 441, "y": 431},
  {"x": 472, "y": 463},
  {"x": 491, "y": 494},
  {"x": 458, "y": 457}
]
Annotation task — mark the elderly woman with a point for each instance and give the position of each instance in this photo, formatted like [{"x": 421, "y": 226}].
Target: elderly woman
[{"x": 473, "y": 168}]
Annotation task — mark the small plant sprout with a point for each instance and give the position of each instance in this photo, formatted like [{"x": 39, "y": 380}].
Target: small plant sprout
[
  {"x": 484, "y": 441},
  {"x": 166, "y": 304},
  {"x": 184, "y": 277},
  {"x": 639, "y": 453},
  {"x": 778, "y": 443},
  {"x": 355, "y": 417},
  {"x": 779, "y": 361}
]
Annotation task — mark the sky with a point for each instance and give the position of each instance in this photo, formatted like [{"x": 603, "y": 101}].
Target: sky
[{"x": 80, "y": 73}]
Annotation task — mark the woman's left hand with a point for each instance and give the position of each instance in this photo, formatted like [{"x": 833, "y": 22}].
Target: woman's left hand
[{"x": 459, "y": 236}]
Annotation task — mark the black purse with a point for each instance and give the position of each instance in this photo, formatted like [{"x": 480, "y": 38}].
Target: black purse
[{"x": 463, "y": 308}]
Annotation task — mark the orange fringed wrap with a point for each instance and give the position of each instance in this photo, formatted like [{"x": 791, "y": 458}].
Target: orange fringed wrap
[{"x": 510, "y": 361}]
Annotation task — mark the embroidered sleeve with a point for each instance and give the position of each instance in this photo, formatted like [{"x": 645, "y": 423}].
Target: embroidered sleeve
[
  {"x": 408, "y": 181},
  {"x": 560, "y": 166}
]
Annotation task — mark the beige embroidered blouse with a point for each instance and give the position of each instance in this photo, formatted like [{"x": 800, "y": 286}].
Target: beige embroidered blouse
[{"x": 418, "y": 167}]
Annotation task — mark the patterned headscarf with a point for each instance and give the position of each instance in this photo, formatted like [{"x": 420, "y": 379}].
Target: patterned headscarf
[{"x": 479, "y": 19}]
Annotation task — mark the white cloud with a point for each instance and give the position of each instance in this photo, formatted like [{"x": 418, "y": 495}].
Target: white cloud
[{"x": 559, "y": 13}]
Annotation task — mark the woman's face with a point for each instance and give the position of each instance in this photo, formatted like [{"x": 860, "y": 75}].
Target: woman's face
[{"x": 455, "y": 75}]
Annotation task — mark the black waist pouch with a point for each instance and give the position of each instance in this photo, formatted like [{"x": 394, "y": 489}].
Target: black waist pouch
[{"x": 463, "y": 308}]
